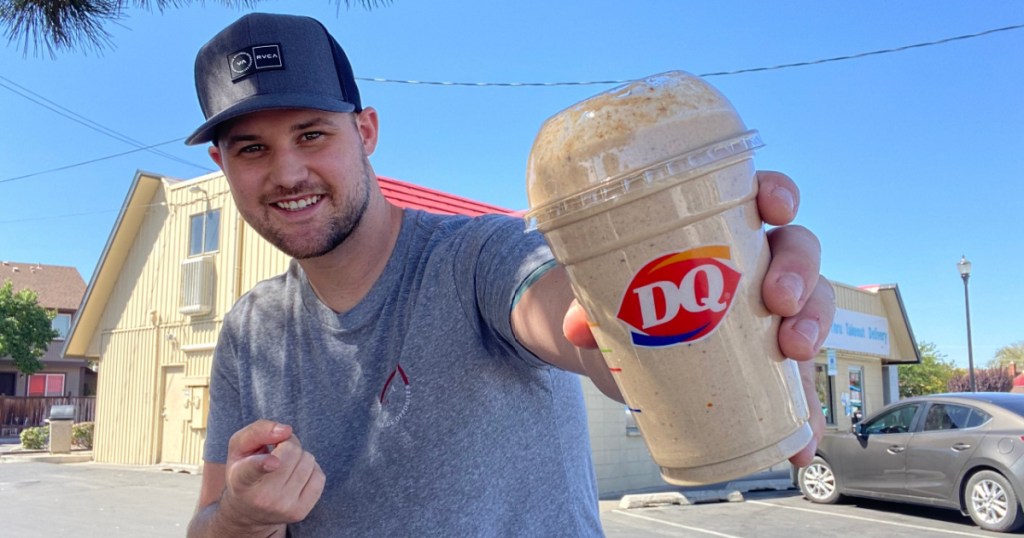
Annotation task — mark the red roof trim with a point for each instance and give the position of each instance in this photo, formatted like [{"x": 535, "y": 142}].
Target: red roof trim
[{"x": 412, "y": 196}]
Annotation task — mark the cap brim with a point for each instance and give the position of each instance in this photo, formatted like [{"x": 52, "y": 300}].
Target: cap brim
[{"x": 206, "y": 131}]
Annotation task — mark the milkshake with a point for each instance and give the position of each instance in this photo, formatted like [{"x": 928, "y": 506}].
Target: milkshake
[{"x": 646, "y": 194}]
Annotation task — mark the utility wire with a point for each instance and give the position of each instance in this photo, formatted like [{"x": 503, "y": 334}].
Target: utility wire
[
  {"x": 78, "y": 118},
  {"x": 545, "y": 84},
  {"x": 714, "y": 74},
  {"x": 101, "y": 211},
  {"x": 59, "y": 168},
  {"x": 54, "y": 217},
  {"x": 866, "y": 54}
]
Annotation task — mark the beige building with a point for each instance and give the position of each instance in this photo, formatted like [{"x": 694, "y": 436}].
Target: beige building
[
  {"x": 180, "y": 255},
  {"x": 178, "y": 258}
]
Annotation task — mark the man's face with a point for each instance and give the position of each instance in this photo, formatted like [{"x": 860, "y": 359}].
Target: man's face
[{"x": 300, "y": 177}]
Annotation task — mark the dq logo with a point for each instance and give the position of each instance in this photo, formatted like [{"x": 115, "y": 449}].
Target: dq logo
[{"x": 680, "y": 297}]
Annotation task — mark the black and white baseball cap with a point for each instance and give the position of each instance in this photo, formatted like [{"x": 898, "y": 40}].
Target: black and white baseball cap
[{"x": 264, "y": 61}]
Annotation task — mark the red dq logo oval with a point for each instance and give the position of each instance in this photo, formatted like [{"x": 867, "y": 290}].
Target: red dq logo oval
[{"x": 680, "y": 297}]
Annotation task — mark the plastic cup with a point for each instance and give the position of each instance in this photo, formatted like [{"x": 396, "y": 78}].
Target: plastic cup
[{"x": 646, "y": 194}]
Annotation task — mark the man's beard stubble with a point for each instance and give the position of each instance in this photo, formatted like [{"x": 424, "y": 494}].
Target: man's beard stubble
[{"x": 338, "y": 229}]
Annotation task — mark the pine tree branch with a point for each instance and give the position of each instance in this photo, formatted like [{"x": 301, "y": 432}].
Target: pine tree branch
[{"x": 80, "y": 25}]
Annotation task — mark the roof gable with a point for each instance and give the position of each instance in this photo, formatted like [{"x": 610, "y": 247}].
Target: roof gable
[{"x": 58, "y": 287}]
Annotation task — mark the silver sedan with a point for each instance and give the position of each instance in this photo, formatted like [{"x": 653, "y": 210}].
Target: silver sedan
[{"x": 960, "y": 451}]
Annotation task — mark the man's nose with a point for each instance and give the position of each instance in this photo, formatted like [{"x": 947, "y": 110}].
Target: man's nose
[{"x": 288, "y": 168}]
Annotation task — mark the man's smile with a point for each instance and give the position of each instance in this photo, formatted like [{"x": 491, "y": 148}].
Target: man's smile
[{"x": 299, "y": 203}]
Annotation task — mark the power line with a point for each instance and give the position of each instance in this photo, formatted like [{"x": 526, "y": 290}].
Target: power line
[
  {"x": 59, "y": 168},
  {"x": 714, "y": 74},
  {"x": 52, "y": 217},
  {"x": 866, "y": 54},
  {"x": 101, "y": 211},
  {"x": 34, "y": 97},
  {"x": 534, "y": 84}
]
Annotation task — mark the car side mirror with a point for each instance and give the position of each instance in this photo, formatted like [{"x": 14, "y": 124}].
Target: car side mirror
[{"x": 858, "y": 429}]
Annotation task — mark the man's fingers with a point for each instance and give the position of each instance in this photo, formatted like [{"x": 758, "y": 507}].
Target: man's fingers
[
  {"x": 300, "y": 480},
  {"x": 801, "y": 336},
  {"x": 793, "y": 272},
  {"x": 254, "y": 438},
  {"x": 817, "y": 417},
  {"x": 306, "y": 482},
  {"x": 313, "y": 489},
  {"x": 778, "y": 198}
]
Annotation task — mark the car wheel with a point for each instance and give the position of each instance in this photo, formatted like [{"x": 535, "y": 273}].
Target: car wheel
[
  {"x": 991, "y": 502},
  {"x": 818, "y": 483}
]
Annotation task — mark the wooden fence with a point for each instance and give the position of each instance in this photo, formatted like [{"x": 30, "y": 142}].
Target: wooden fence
[{"x": 20, "y": 412}]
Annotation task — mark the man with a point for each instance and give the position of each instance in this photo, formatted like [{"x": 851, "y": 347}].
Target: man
[{"x": 411, "y": 374}]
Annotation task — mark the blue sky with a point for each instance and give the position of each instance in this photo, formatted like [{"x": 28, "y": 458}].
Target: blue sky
[{"x": 906, "y": 160}]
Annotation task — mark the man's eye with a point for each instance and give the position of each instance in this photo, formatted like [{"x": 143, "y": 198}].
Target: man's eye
[
  {"x": 311, "y": 135},
  {"x": 251, "y": 148}
]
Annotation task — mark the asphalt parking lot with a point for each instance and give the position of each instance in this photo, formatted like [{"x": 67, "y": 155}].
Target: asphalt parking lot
[
  {"x": 90, "y": 500},
  {"x": 786, "y": 514}
]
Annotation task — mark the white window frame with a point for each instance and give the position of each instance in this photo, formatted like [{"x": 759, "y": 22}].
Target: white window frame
[
  {"x": 62, "y": 328},
  {"x": 46, "y": 384},
  {"x": 204, "y": 219}
]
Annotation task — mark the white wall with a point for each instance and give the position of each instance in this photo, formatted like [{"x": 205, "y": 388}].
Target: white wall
[{"x": 622, "y": 462}]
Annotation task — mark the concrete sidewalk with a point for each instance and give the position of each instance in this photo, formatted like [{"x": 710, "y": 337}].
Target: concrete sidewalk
[
  {"x": 88, "y": 499},
  {"x": 93, "y": 500}
]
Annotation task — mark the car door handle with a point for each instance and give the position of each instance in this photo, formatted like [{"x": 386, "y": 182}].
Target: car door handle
[
  {"x": 896, "y": 449},
  {"x": 961, "y": 446}
]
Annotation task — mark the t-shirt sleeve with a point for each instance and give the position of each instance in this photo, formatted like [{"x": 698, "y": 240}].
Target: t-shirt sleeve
[
  {"x": 225, "y": 416},
  {"x": 504, "y": 261}
]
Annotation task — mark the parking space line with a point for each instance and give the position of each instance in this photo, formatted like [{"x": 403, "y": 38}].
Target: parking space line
[
  {"x": 669, "y": 523},
  {"x": 862, "y": 518}
]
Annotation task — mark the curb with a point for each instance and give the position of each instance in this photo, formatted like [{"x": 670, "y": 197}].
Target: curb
[
  {"x": 733, "y": 492},
  {"x": 45, "y": 457}
]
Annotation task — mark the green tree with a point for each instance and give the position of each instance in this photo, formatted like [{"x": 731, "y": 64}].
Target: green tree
[
  {"x": 25, "y": 329},
  {"x": 64, "y": 25},
  {"x": 1011, "y": 354},
  {"x": 931, "y": 376}
]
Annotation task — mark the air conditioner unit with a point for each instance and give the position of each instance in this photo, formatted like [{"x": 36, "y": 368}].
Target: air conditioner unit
[{"x": 198, "y": 278}]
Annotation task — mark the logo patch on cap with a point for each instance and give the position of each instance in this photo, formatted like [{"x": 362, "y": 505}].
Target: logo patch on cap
[{"x": 251, "y": 60}]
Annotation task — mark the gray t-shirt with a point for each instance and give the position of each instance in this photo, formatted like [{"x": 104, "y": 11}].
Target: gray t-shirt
[{"x": 424, "y": 412}]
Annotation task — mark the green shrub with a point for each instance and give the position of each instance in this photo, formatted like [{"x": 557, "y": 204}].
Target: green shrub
[
  {"x": 81, "y": 434},
  {"x": 35, "y": 438}
]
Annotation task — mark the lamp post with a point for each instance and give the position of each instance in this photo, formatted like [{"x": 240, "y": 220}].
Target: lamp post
[{"x": 964, "y": 267}]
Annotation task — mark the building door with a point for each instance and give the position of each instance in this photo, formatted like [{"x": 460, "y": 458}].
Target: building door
[
  {"x": 7, "y": 383},
  {"x": 174, "y": 415}
]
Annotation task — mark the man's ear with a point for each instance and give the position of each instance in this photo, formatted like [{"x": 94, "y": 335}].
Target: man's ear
[
  {"x": 367, "y": 124},
  {"x": 214, "y": 152}
]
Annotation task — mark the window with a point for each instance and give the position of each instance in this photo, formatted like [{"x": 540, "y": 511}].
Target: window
[
  {"x": 46, "y": 385},
  {"x": 953, "y": 417},
  {"x": 857, "y": 390},
  {"x": 204, "y": 233},
  {"x": 899, "y": 420},
  {"x": 824, "y": 384},
  {"x": 62, "y": 324},
  {"x": 631, "y": 428}
]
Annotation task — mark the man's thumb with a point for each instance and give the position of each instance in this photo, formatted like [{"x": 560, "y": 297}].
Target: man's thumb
[
  {"x": 576, "y": 327},
  {"x": 256, "y": 437},
  {"x": 250, "y": 470}
]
